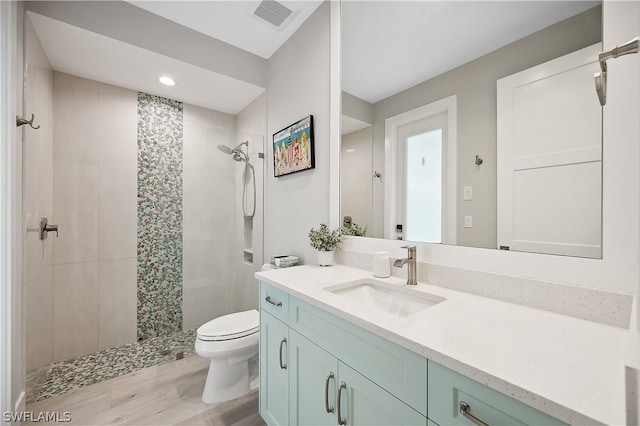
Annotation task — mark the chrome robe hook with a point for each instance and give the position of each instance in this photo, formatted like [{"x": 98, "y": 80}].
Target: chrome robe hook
[{"x": 22, "y": 121}]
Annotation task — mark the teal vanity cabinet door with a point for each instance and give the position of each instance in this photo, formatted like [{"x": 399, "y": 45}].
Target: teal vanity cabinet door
[
  {"x": 448, "y": 391},
  {"x": 274, "y": 370},
  {"x": 362, "y": 402},
  {"x": 312, "y": 383}
]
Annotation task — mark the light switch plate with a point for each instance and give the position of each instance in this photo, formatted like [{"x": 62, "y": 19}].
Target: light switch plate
[
  {"x": 468, "y": 221},
  {"x": 467, "y": 193}
]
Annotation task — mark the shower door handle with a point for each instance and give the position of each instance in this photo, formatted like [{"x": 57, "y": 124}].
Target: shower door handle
[{"x": 282, "y": 366}]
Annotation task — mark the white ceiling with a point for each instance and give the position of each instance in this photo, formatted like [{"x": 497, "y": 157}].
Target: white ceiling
[
  {"x": 388, "y": 46},
  {"x": 79, "y": 52},
  {"x": 233, "y": 21}
]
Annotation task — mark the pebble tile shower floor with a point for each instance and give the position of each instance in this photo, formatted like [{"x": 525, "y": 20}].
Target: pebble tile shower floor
[{"x": 61, "y": 377}]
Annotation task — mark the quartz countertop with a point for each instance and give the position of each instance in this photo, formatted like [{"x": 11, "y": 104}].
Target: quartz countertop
[{"x": 569, "y": 368}]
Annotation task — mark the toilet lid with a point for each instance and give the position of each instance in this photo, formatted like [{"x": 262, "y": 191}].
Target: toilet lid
[{"x": 231, "y": 326}]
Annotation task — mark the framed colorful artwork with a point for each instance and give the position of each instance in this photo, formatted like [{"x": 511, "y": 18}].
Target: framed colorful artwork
[{"x": 293, "y": 148}]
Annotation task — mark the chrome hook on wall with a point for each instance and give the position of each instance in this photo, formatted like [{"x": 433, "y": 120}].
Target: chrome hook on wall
[
  {"x": 22, "y": 121},
  {"x": 632, "y": 46},
  {"x": 479, "y": 160}
]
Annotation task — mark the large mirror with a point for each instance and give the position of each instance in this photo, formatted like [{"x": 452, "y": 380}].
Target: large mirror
[{"x": 473, "y": 123}]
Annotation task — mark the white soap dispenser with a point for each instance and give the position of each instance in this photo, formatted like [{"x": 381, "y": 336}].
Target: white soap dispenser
[{"x": 382, "y": 265}]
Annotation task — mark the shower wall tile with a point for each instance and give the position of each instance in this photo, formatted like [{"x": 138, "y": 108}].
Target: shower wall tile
[
  {"x": 209, "y": 216},
  {"x": 196, "y": 114},
  {"x": 207, "y": 268},
  {"x": 75, "y": 303},
  {"x": 75, "y": 211},
  {"x": 160, "y": 245},
  {"x": 117, "y": 289},
  {"x": 37, "y": 176},
  {"x": 39, "y": 318},
  {"x": 206, "y": 116},
  {"x": 75, "y": 117},
  {"x": 37, "y": 305},
  {"x": 39, "y": 253},
  {"x": 118, "y": 129},
  {"x": 117, "y": 198},
  {"x": 204, "y": 304}
]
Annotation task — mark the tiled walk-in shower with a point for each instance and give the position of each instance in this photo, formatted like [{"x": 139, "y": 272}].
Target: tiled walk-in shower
[
  {"x": 63, "y": 376},
  {"x": 135, "y": 183}
]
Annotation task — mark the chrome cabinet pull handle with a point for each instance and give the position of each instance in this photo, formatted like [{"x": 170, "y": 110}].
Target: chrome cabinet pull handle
[
  {"x": 268, "y": 299},
  {"x": 341, "y": 420},
  {"x": 465, "y": 410},
  {"x": 326, "y": 393},
  {"x": 282, "y": 366}
]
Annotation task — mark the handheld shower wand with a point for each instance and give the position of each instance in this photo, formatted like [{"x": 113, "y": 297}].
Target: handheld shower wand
[{"x": 238, "y": 154}]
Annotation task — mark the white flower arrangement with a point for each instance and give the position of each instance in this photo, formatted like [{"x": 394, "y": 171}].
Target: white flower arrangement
[{"x": 322, "y": 239}]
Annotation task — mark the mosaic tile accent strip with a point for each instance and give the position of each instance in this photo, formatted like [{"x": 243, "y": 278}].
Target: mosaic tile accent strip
[
  {"x": 89, "y": 369},
  {"x": 159, "y": 216}
]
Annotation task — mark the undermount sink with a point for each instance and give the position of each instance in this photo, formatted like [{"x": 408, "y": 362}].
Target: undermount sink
[{"x": 386, "y": 298}]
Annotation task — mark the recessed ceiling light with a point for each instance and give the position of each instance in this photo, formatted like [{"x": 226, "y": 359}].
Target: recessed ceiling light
[{"x": 167, "y": 81}]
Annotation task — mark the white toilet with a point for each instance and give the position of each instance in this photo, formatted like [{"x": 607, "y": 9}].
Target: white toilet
[{"x": 231, "y": 342}]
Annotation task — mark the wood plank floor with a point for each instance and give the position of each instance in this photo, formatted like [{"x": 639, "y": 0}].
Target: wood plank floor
[{"x": 167, "y": 394}]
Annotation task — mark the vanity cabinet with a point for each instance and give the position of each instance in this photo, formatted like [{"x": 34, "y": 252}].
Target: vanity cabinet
[
  {"x": 316, "y": 368},
  {"x": 328, "y": 364},
  {"x": 274, "y": 350},
  {"x": 324, "y": 390},
  {"x": 448, "y": 390},
  {"x": 274, "y": 373}
]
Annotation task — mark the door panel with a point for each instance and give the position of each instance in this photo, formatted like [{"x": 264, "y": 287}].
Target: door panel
[
  {"x": 422, "y": 179},
  {"x": 550, "y": 158},
  {"x": 363, "y": 402},
  {"x": 312, "y": 389},
  {"x": 274, "y": 380}
]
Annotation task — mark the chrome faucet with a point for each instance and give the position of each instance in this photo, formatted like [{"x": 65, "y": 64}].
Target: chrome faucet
[{"x": 411, "y": 261}]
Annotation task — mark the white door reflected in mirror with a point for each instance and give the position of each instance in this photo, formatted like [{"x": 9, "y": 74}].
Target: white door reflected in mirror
[
  {"x": 421, "y": 159},
  {"x": 550, "y": 158},
  {"x": 421, "y": 177}
]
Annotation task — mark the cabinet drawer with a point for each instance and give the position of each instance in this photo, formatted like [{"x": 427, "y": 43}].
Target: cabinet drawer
[
  {"x": 397, "y": 370},
  {"x": 447, "y": 389},
  {"x": 274, "y": 301}
]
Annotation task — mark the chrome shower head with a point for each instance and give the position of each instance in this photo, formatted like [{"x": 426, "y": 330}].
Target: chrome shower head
[
  {"x": 225, "y": 149},
  {"x": 237, "y": 152}
]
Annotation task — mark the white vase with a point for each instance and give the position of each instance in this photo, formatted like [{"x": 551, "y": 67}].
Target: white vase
[{"x": 325, "y": 258}]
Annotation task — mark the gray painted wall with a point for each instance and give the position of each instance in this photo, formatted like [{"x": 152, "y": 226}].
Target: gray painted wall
[
  {"x": 299, "y": 77},
  {"x": 357, "y": 108},
  {"x": 475, "y": 85}
]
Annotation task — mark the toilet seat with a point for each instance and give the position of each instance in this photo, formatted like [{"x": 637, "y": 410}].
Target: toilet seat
[{"x": 231, "y": 326}]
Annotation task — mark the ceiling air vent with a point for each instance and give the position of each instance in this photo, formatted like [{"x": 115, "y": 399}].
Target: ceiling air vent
[{"x": 272, "y": 12}]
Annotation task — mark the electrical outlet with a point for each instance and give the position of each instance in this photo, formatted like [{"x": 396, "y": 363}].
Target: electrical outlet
[
  {"x": 468, "y": 221},
  {"x": 467, "y": 193}
]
